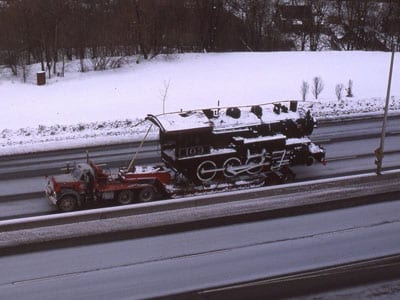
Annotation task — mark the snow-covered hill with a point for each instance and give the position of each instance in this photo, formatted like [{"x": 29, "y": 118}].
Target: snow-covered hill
[{"x": 102, "y": 107}]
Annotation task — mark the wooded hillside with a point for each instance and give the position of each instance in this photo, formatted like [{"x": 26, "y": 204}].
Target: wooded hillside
[{"x": 52, "y": 31}]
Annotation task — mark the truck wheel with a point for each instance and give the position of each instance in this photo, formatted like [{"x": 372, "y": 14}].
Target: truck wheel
[
  {"x": 146, "y": 194},
  {"x": 125, "y": 197},
  {"x": 67, "y": 203}
]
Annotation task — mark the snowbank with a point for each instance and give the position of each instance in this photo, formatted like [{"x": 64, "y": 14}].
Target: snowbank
[{"x": 102, "y": 107}]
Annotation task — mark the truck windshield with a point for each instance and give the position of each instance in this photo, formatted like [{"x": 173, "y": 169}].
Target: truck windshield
[{"x": 76, "y": 173}]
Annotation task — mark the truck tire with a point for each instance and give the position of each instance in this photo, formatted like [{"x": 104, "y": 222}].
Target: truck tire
[
  {"x": 67, "y": 203},
  {"x": 146, "y": 194},
  {"x": 125, "y": 197}
]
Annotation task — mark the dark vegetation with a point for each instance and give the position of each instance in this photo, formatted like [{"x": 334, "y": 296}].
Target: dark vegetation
[{"x": 106, "y": 31}]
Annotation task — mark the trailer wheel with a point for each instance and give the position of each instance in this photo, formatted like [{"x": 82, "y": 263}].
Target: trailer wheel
[
  {"x": 289, "y": 175},
  {"x": 67, "y": 203},
  {"x": 125, "y": 197},
  {"x": 271, "y": 179},
  {"x": 146, "y": 194}
]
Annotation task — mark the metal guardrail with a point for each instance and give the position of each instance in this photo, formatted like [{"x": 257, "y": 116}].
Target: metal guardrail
[
  {"x": 355, "y": 117},
  {"x": 309, "y": 282}
]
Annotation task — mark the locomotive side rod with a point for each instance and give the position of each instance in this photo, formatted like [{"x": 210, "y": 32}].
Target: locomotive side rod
[{"x": 237, "y": 170}]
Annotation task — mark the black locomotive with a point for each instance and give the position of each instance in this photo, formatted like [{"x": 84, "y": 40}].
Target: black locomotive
[{"x": 226, "y": 143}]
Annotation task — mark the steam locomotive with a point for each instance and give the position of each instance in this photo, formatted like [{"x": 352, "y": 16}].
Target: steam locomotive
[
  {"x": 229, "y": 143},
  {"x": 207, "y": 150}
]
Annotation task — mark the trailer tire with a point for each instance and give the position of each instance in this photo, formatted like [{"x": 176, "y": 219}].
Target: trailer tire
[
  {"x": 67, "y": 203},
  {"x": 146, "y": 194},
  {"x": 289, "y": 175},
  {"x": 125, "y": 197},
  {"x": 309, "y": 161},
  {"x": 271, "y": 180}
]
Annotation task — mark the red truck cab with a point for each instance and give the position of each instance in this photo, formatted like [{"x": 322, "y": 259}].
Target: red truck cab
[{"x": 87, "y": 182}]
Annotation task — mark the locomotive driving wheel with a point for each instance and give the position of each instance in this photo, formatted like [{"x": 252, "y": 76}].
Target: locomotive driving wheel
[
  {"x": 254, "y": 165},
  {"x": 206, "y": 171},
  {"x": 229, "y": 166}
]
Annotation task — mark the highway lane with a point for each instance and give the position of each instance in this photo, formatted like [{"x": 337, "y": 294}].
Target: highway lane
[
  {"x": 41, "y": 158},
  {"x": 343, "y": 150},
  {"x": 348, "y": 130},
  {"x": 344, "y": 158},
  {"x": 385, "y": 290},
  {"x": 204, "y": 258},
  {"x": 25, "y": 208},
  {"x": 21, "y": 196},
  {"x": 47, "y": 163},
  {"x": 339, "y": 151},
  {"x": 17, "y": 168}
]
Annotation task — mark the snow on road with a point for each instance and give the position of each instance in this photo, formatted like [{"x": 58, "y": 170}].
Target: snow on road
[{"x": 103, "y": 107}]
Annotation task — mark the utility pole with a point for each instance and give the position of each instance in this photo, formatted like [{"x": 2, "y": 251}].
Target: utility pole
[{"x": 379, "y": 152}]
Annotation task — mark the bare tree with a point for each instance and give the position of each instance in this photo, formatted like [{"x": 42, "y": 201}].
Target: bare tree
[
  {"x": 304, "y": 88},
  {"x": 316, "y": 24},
  {"x": 25, "y": 66},
  {"x": 165, "y": 93},
  {"x": 318, "y": 86},
  {"x": 339, "y": 91},
  {"x": 11, "y": 61}
]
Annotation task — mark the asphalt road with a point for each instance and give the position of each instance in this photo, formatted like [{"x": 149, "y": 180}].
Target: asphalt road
[
  {"x": 350, "y": 147},
  {"x": 47, "y": 163},
  {"x": 197, "y": 260},
  {"x": 200, "y": 259}
]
